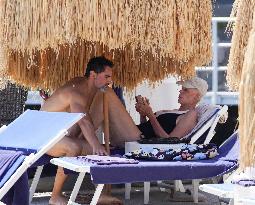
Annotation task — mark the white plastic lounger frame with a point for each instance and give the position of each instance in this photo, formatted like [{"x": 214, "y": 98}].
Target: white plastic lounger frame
[
  {"x": 220, "y": 190},
  {"x": 244, "y": 201},
  {"x": 237, "y": 194},
  {"x": 82, "y": 170},
  {"x": 33, "y": 117},
  {"x": 210, "y": 124},
  {"x": 29, "y": 160}
]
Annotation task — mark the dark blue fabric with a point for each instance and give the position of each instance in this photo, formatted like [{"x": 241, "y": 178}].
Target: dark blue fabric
[
  {"x": 229, "y": 150},
  {"x": 19, "y": 193},
  {"x": 166, "y": 120},
  {"x": 48, "y": 169},
  {"x": 153, "y": 171},
  {"x": 9, "y": 162},
  {"x": 119, "y": 92},
  {"x": 45, "y": 159}
]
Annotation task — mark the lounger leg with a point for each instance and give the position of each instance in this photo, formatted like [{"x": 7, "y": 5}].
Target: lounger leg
[
  {"x": 127, "y": 190},
  {"x": 76, "y": 188},
  {"x": 35, "y": 182},
  {"x": 97, "y": 194},
  {"x": 161, "y": 188},
  {"x": 181, "y": 187},
  {"x": 178, "y": 186},
  {"x": 195, "y": 183},
  {"x": 231, "y": 202},
  {"x": 146, "y": 192}
]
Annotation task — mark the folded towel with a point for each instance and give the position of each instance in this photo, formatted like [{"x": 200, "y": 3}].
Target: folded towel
[
  {"x": 7, "y": 159},
  {"x": 245, "y": 182},
  {"x": 106, "y": 160},
  {"x": 9, "y": 162}
]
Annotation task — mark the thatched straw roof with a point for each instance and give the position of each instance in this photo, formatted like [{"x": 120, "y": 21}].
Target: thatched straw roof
[
  {"x": 50, "y": 41},
  {"x": 247, "y": 105},
  {"x": 241, "y": 76},
  {"x": 243, "y": 11}
]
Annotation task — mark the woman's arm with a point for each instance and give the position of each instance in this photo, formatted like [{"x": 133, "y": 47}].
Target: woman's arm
[{"x": 185, "y": 123}]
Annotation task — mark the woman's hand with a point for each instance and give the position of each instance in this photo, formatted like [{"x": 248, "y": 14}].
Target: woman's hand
[{"x": 143, "y": 107}]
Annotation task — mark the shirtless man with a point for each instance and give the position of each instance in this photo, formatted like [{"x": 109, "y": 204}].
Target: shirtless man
[{"x": 81, "y": 95}]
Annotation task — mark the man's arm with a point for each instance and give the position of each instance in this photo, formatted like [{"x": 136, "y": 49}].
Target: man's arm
[{"x": 87, "y": 129}]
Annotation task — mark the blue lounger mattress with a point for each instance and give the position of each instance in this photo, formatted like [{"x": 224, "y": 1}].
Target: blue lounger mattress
[
  {"x": 153, "y": 171},
  {"x": 150, "y": 170},
  {"x": 226, "y": 161}
]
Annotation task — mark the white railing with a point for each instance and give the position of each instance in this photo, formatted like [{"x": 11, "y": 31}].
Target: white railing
[{"x": 215, "y": 96}]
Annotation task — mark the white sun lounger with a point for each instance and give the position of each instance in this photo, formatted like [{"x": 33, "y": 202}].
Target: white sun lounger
[
  {"x": 238, "y": 194},
  {"x": 34, "y": 133},
  {"x": 209, "y": 117}
]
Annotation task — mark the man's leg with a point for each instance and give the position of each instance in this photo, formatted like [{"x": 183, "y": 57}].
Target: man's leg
[
  {"x": 104, "y": 199},
  {"x": 66, "y": 147},
  {"x": 122, "y": 127}
]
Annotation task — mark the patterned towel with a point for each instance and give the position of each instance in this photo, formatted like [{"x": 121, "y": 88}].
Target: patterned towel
[
  {"x": 185, "y": 152},
  {"x": 106, "y": 160}
]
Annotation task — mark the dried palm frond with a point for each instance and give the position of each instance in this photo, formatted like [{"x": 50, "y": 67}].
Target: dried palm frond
[
  {"x": 50, "y": 41},
  {"x": 247, "y": 104},
  {"x": 243, "y": 10}
]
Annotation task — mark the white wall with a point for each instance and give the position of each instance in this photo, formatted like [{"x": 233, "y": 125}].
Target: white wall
[{"x": 163, "y": 97}]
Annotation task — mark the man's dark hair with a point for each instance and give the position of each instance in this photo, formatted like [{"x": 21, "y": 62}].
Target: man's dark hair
[{"x": 97, "y": 64}]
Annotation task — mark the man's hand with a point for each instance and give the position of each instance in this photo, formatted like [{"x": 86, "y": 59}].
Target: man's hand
[{"x": 99, "y": 150}]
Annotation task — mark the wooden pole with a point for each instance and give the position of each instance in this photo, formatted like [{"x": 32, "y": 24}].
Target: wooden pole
[
  {"x": 106, "y": 125},
  {"x": 106, "y": 134}
]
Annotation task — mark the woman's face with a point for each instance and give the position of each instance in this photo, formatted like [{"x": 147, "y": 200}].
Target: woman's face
[{"x": 188, "y": 96}]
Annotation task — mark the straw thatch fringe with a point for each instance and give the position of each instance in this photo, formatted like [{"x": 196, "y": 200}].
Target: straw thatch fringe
[
  {"x": 3, "y": 58},
  {"x": 49, "y": 69},
  {"x": 247, "y": 104},
  {"x": 3, "y": 75},
  {"x": 243, "y": 10},
  {"x": 50, "y": 41}
]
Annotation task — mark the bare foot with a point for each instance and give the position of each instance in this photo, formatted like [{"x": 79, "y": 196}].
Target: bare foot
[
  {"x": 58, "y": 200},
  {"x": 109, "y": 200}
]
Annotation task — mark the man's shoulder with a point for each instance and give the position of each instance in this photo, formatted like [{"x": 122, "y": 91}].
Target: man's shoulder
[
  {"x": 74, "y": 81},
  {"x": 72, "y": 85}
]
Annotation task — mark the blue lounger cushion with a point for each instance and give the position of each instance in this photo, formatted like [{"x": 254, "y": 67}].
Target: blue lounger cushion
[{"x": 166, "y": 170}]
